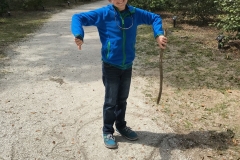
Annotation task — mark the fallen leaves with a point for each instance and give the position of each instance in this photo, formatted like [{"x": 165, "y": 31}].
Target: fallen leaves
[
  {"x": 236, "y": 142},
  {"x": 229, "y": 91}
]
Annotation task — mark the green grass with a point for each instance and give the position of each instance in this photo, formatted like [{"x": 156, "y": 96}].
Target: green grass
[
  {"x": 190, "y": 69},
  {"x": 18, "y": 26},
  {"x": 21, "y": 24},
  {"x": 190, "y": 61},
  {"x": 220, "y": 109}
]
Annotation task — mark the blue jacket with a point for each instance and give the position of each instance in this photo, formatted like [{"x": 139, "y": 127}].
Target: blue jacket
[{"x": 118, "y": 44}]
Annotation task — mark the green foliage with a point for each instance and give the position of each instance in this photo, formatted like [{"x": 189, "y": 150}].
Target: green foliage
[
  {"x": 151, "y": 5},
  {"x": 201, "y": 10},
  {"x": 228, "y": 11},
  {"x": 37, "y": 4},
  {"x": 3, "y": 6},
  {"x": 32, "y": 4},
  {"x": 230, "y": 17}
]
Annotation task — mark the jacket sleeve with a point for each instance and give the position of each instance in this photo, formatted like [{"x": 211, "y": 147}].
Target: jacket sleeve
[
  {"x": 91, "y": 18},
  {"x": 149, "y": 18}
]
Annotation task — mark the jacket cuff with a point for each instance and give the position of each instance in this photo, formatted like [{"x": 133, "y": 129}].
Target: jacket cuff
[
  {"x": 158, "y": 35},
  {"x": 79, "y": 37}
]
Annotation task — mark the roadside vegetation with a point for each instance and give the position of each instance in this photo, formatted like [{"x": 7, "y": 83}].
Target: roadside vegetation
[
  {"x": 18, "y": 19},
  {"x": 223, "y": 15},
  {"x": 201, "y": 87}
]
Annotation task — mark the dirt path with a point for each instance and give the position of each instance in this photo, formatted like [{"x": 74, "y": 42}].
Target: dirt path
[{"x": 51, "y": 99}]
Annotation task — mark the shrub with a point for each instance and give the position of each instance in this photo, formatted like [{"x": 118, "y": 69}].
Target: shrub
[
  {"x": 230, "y": 17},
  {"x": 4, "y": 7},
  {"x": 151, "y": 5},
  {"x": 32, "y": 4}
]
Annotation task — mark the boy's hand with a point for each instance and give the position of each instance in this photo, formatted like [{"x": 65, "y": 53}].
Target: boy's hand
[
  {"x": 162, "y": 41},
  {"x": 79, "y": 43}
]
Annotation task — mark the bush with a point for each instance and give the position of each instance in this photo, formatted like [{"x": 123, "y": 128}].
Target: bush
[
  {"x": 151, "y": 5},
  {"x": 4, "y": 7},
  {"x": 200, "y": 10},
  {"x": 230, "y": 17},
  {"x": 35, "y": 4},
  {"x": 32, "y": 4}
]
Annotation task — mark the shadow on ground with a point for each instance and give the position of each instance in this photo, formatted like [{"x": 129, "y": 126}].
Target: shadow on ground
[{"x": 168, "y": 142}]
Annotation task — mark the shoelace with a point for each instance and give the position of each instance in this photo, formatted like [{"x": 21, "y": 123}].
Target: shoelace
[
  {"x": 128, "y": 129},
  {"x": 110, "y": 136}
]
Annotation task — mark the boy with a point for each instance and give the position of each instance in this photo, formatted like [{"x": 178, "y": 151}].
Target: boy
[{"x": 117, "y": 26}]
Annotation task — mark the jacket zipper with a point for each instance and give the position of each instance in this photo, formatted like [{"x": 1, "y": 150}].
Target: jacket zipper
[
  {"x": 108, "y": 48},
  {"x": 124, "y": 38},
  {"x": 124, "y": 43}
]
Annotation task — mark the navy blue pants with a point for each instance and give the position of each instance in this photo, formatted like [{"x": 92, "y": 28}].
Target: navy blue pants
[{"x": 117, "y": 85}]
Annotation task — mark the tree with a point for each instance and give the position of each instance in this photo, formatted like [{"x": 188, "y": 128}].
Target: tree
[{"x": 230, "y": 17}]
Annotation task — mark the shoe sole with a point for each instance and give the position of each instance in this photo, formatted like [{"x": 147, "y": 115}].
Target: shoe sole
[
  {"x": 111, "y": 147},
  {"x": 129, "y": 138}
]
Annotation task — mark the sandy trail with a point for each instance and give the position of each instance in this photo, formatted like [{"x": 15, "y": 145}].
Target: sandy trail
[{"x": 51, "y": 97}]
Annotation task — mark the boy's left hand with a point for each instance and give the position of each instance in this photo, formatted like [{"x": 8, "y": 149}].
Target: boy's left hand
[{"x": 162, "y": 41}]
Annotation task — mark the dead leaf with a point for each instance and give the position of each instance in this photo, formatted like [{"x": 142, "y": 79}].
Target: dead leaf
[
  {"x": 235, "y": 142},
  {"x": 229, "y": 91},
  {"x": 73, "y": 141},
  {"x": 196, "y": 119}
]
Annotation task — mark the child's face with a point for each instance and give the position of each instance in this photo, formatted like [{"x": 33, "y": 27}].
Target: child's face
[{"x": 120, "y": 4}]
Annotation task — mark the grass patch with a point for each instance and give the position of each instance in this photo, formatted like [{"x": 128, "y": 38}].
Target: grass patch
[
  {"x": 198, "y": 64},
  {"x": 18, "y": 26},
  {"x": 201, "y": 89},
  {"x": 21, "y": 24}
]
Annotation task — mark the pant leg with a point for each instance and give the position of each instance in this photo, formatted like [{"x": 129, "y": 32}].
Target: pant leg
[
  {"x": 111, "y": 80},
  {"x": 123, "y": 92}
]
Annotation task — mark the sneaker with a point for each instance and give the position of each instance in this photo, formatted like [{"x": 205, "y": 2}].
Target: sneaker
[
  {"x": 109, "y": 141},
  {"x": 128, "y": 133}
]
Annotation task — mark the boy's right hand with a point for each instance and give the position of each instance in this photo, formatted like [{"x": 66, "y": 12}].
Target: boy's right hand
[{"x": 79, "y": 43}]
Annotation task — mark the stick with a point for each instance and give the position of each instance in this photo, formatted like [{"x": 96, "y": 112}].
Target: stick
[{"x": 161, "y": 71}]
